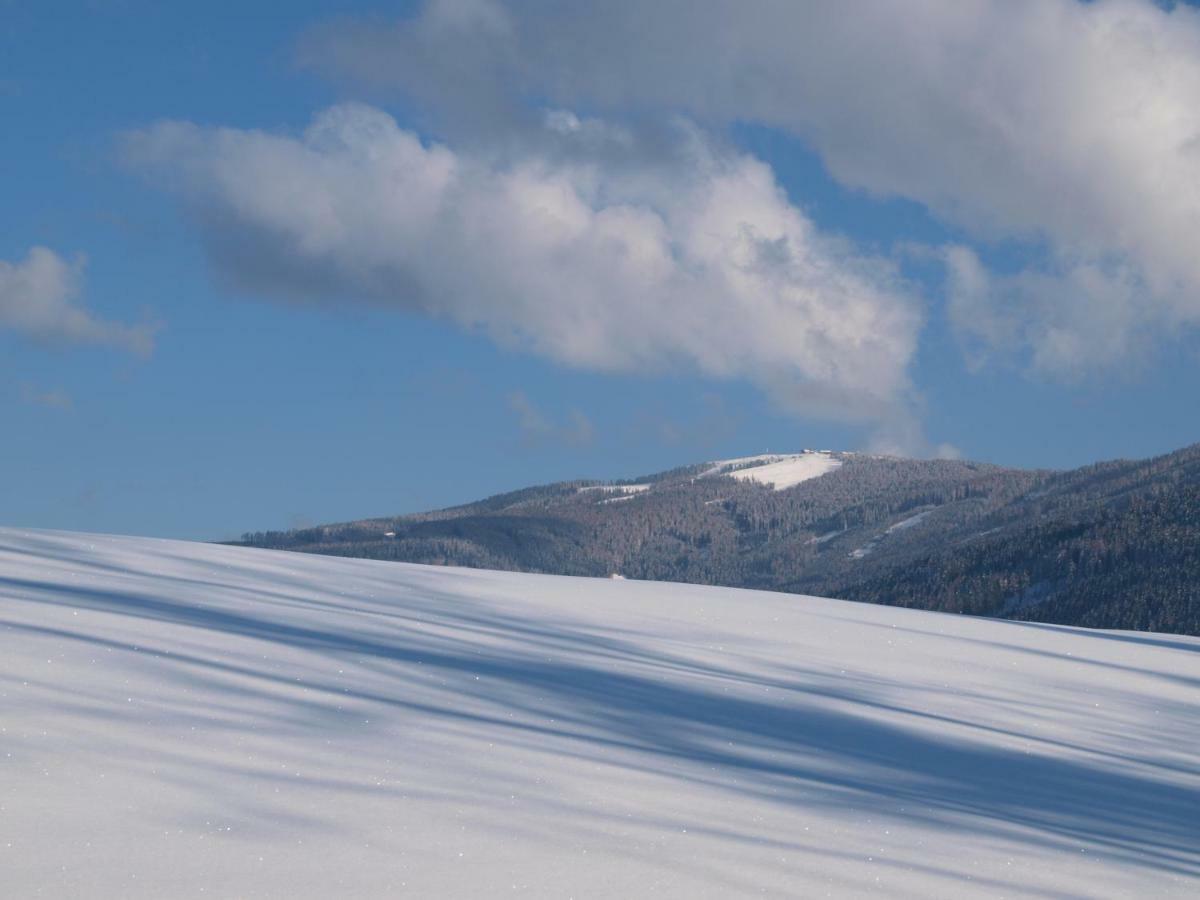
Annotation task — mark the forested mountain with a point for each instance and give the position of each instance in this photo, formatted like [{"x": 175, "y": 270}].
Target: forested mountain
[{"x": 1114, "y": 545}]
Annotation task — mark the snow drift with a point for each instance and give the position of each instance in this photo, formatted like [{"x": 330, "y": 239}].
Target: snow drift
[{"x": 190, "y": 720}]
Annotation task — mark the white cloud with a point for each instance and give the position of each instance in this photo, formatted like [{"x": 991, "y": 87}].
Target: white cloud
[
  {"x": 1068, "y": 323},
  {"x": 1072, "y": 125},
  {"x": 38, "y": 299},
  {"x": 579, "y": 243}
]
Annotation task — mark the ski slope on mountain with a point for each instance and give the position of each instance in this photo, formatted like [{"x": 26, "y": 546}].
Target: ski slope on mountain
[
  {"x": 189, "y": 720},
  {"x": 779, "y": 471}
]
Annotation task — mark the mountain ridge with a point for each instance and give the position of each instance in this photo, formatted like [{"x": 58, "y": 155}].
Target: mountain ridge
[{"x": 1108, "y": 545}]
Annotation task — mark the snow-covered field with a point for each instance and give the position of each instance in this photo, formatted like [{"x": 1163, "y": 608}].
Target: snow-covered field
[
  {"x": 184, "y": 720},
  {"x": 780, "y": 471}
]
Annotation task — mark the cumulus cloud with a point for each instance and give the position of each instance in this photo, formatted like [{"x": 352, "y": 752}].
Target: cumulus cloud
[
  {"x": 585, "y": 242},
  {"x": 38, "y": 298},
  {"x": 1073, "y": 126},
  {"x": 1067, "y": 323}
]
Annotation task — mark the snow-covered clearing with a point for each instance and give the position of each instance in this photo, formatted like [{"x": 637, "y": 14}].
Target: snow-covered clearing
[
  {"x": 825, "y": 538},
  {"x": 616, "y": 488},
  {"x": 185, "y": 720},
  {"x": 905, "y": 524},
  {"x": 781, "y": 472},
  {"x": 721, "y": 466}
]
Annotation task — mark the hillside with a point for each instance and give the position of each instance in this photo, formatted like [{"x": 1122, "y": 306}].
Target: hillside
[
  {"x": 1115, "y": 545},
  {"x": 194, "y": 720}
]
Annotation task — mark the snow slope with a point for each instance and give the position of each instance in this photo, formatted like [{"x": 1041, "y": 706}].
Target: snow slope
[
  {"x": 780, "y": 471},
  {"x": 621, "y": 491},
  {"x": 188, "y": 720}
]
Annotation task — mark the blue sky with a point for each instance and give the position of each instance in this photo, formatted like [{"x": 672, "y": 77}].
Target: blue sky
[{"x": 284, "y": 388}]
